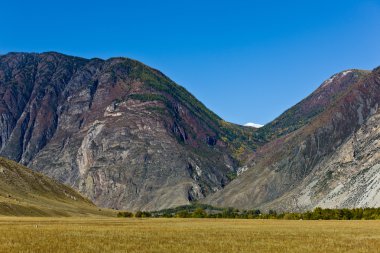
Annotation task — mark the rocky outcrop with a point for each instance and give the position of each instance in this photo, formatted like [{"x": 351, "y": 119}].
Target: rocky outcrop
[
  {"x": 120, "y": 132},
  {"x": 128, "y": 137},
  {"x": 330, "y": 161}
]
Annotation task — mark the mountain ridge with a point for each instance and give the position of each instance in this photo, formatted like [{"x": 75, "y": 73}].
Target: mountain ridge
[
  {"x": 300, "y": 156},
  {"x": 117, "y": 127},
  {"x": 128, "y": 137}
]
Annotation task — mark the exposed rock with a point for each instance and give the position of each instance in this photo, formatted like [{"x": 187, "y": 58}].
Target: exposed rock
[
  {"x": 330, "y": 160},
  {"x": 128, "y": 137},
  {"x": 120, "y": 132}
]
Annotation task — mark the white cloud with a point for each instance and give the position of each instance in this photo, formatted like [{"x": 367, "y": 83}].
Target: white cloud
[{"x": 253, "y": 125}]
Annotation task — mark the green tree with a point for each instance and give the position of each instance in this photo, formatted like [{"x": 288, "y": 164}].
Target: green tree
[
  {"x": 183, "y": 214},
  {"x": 199, "y": 213},
  {"x": 124, "y": 214}
]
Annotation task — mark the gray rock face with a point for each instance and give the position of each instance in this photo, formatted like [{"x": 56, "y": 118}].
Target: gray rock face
[
  {"x": 120, "y": 132},
  {"x": 348, "y": 178},
  {"x": 332, "y": 161},
  {"x": 128, "y": 137}
]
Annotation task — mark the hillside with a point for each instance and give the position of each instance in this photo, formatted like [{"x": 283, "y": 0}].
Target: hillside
[
  {"x": 27, "y": 193},
  {"x": 309, "y": 108},
  {"x": 120, "y": 132},
  {"x": 127, "y": 137},
  {"x": 330, "y": 160}
]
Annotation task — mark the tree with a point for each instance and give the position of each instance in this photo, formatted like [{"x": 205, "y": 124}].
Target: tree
[
  {"x": 140, "y": 214},
  {"x": 124, "y": 214},
  {"x": 183, "y": 214},
  {"x": 199, "y": 213}
]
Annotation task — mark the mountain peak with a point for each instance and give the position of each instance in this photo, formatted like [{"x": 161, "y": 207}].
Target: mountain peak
[
  {"x": 322, "y": 152},
  {"x": 126, "y": 135}
]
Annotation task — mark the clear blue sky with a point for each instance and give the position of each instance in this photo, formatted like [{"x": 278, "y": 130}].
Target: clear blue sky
[{"x": 246, "y": 60}]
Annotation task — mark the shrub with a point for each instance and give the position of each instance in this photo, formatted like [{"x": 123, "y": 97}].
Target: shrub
[
  {"x": 199, "y": 213},
  {"x": 183, "y": 214},
  {"x": 140, "y": 214},
  {"x": 124, "y": 214}
]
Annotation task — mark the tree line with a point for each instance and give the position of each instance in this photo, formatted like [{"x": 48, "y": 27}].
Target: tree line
[{"x": 206, "y": 211}]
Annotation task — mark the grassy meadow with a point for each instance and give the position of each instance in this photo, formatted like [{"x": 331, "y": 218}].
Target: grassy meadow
[{"x": 21, "y": 234}]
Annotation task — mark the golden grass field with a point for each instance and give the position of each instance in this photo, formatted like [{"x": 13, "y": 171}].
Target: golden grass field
[{"x": 185, "y": 235}]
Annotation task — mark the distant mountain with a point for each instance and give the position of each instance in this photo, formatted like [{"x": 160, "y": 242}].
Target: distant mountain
[
  {"x": 324, "y": 152},
  {"x": 27, "y": 193},
  {"x": 305, "y": 111},
  {"x": 120, "y": 132}
]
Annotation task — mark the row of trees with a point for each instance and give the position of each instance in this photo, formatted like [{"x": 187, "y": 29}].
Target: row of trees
[
  {"x": 231, "y": 213},
  {"x": 138, "y": 214}
]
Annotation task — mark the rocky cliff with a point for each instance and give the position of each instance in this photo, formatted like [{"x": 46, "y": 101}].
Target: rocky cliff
[
  {"x": 120, "y": 132},
  {"x": 325, "y": 152},
  {"x": 128, "y": 137}
]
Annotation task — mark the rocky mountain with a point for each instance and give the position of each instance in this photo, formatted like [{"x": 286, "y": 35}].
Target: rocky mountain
[
  {"x": 310, "y": 107},
  {"x": 128, "y": 137},
  {"x": 323, "y": 152},
  {"x": 27, "y": 193},
  {"x": 120, "y": 132}
]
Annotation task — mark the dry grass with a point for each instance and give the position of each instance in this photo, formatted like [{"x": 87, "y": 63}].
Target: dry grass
[
  {"x": 24, "y": 192},
  {"x": 186, "y": 235}
]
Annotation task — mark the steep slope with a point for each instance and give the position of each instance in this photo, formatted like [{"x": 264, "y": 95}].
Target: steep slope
[
  {"x": 329, "y": 161},
  {"x": 27, "y": 193},
  {"x": 310, "y": 107},
  {"x": 348, "y": 178},
  {"x": 122, "y": 133}
]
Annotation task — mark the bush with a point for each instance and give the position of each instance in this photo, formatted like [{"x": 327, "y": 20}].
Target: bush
[
  {"x": 124, "y": 214},
  {"x": 199, "y": 213},
  {"x": 183, "y": 214},
  {"x": 140, "y": 214}
]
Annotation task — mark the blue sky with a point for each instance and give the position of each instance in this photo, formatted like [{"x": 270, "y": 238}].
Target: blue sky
[{"x": 248, "y": 61}]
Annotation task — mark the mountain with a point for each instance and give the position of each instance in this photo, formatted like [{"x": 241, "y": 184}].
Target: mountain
[
  {"x": 323, "y": 152},
  {"x": 27, "y": 193},
  {"x": 305, "y": 111},
  {"x": 120, "y": 132},
  {"x": 128, "y": 137}
]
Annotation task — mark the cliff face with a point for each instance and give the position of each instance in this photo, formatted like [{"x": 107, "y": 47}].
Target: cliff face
[
  {"x": 122, "y": 133},
  {"x": 128, "y": 137},
  {"x": 331, "y": 160}
]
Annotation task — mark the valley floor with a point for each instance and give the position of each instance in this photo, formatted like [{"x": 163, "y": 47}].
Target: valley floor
[{"x": 185, "y": 235}]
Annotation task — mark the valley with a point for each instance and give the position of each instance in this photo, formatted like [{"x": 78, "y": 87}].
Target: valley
[{"x": 127, "y": 137}]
